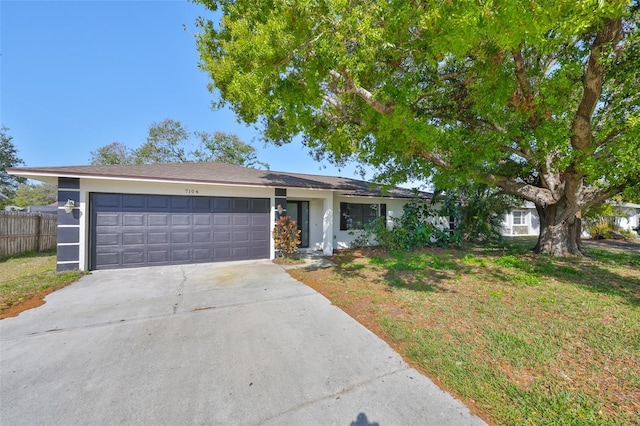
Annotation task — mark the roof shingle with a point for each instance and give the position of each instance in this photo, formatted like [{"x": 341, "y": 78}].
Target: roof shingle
[{"x": 219, "y": 173}]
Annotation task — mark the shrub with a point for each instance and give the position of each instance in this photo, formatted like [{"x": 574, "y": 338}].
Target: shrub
[{"x": 286, "y": 236}]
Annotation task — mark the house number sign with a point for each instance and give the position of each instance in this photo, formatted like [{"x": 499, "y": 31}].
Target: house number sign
[{"x": 191, "y": 191}]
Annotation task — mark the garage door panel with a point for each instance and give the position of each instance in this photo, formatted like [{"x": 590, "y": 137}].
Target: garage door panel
[
  {"x": 157, "y": 220},
  {"x": 221, "y": 237},
  {"x": 108, "y": 219},
  {"x": 158, "y": 256},
  {"x": 136, "y": 219},
  {"x": 133, "y": 257},
  {"x": 180, "y": 220},
  {"x": 180, "y": 255},
  {"x": 259, "y": 236},
  {"x": 221, "y": 220},
  {"x": 180, "y": 203},
  {"x": 201, "y": 204},
  {"x": 222, "y": 205},
  {"x": 240, "y": 220},
  {"x": 240, "y": 236},
  {"x": 259, "y": 220},
  {"x": 202, "y": 254},
  {"x": 157, "y": 201},
  {"x": 132, "y": 238},
  {"x": 240, "y": 252},
  {"x": 135, "y": 230},
  {"x": 133, "y": 201},
  {"x": 157, "y": 238},
  {"x": 202, "y": 219},
  {"x": 108, "y": 200},
  {"x": 108, "y": 239},
  {"x": 201, "y": 237},
  {"x": 108, "y": 259}
]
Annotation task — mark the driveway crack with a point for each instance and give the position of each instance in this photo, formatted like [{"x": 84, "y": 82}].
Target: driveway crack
[{"x": 180, "y": 295}]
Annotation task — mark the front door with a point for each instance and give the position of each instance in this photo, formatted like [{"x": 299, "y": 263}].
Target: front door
[{"x": 299, "y": 211}]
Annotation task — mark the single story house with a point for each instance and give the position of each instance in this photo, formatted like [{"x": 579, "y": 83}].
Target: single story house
[
  {"x": 525, "y": 220},
  {"x": 630, "y": 219},
  {"x": 119, "y": 216}
]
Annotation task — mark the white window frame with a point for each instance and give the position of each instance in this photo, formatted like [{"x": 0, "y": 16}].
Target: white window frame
[{"x": 522, "y": 218}]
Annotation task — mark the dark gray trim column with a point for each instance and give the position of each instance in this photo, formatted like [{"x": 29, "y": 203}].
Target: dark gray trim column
[
  {"x": 281, "y": 200},
  {"x": 68, "y": 225}
]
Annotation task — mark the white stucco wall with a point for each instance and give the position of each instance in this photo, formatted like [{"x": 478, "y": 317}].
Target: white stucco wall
[{"x": 343, "y": 239}]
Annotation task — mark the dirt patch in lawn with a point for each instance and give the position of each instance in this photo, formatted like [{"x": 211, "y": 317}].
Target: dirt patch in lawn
[{"x": 32, "y": 302}]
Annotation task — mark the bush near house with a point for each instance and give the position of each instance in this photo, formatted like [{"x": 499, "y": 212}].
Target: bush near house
[{"x": 286, "y": 236}]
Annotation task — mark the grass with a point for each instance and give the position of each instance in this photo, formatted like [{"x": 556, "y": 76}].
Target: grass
[
  {"x": 524, "y": 339},
  {"x": 27, "y": 275}
]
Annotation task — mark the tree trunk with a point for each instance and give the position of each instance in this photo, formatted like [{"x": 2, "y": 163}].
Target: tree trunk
[{"x": 557, "y": 237}]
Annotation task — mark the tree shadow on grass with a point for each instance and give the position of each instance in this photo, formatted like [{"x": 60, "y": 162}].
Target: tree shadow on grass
[
  {"x": 426, "y": 271},
  {"x": 597, "y": 279}
]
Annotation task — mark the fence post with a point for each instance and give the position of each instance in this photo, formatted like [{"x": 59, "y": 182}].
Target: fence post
[{"x": 39, "y": 231}]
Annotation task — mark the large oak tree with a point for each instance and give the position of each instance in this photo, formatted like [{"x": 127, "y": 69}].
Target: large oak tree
[{"x": 539, "y": 98}]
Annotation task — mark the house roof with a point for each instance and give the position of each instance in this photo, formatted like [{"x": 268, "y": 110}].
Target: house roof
[{"x": 214, "y": 173}]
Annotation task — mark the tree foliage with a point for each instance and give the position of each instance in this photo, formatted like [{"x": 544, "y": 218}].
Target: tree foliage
[
  {"x": 477, "y": 211},
  {"x": 169, "y": 141},
  {"x": 8, "y": 158},
  {"x": 35, "y": 195},
  {"x": 113, "y": 153},
  {"x": 538, "y": 98}
]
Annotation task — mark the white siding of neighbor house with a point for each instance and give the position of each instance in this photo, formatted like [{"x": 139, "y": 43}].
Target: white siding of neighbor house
[
  {"x": 531, "y": 224},
  {"x": 532, "y": 221},
  {"x": 630, "y": 217}
]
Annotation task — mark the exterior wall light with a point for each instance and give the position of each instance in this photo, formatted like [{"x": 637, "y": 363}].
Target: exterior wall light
[
  {"x": 69, "y": 205},
  {"x": 280, "y": 210}
]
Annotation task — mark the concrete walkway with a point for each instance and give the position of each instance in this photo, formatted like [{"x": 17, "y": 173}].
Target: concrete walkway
[{"x": 235, "y": 343}]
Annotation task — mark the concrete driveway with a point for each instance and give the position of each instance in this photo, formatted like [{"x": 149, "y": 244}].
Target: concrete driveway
[{"x": 231, "y": 343}]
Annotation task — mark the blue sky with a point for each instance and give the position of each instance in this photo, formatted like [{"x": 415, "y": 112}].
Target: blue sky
[{"x": 77, "y": 75}]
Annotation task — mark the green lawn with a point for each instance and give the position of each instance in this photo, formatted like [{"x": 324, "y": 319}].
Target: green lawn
[
  {"x": 26, "y": 275},
  {"x": 525, "y": 339}
]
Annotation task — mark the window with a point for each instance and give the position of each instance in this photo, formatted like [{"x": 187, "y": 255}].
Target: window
[
  {"x": 356, "y": 216},
  {"x": 519, "y": 217}
]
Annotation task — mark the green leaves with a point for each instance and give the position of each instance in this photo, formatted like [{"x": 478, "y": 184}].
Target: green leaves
[
  {"x": 8, "y": 158},
  {"x": 439, "y": 90},
  {"x": 171, "y": 142}
]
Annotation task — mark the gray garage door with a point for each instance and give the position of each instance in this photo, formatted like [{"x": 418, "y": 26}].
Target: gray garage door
[{"x": 129, "y": 230}]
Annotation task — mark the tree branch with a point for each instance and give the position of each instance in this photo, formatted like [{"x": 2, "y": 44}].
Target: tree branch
[
  {"x": 535, "y": 194},
  {"x": 592, "y": 84},
  {"x": 365, "y": 95}
]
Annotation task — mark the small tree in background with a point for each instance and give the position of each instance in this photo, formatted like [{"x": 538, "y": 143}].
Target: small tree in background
[
  {"x": 8, "y": 158},
  {"x": 286, "y": 236}
]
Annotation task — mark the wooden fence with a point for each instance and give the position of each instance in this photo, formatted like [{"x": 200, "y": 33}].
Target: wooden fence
[{"x": 21, "y": 232}]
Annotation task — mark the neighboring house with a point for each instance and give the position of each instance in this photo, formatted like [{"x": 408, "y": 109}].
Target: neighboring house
[
  {"x": 522, "y": 221},
  {"x": 121, "y": 216},
  {"x": 632, "y": 219},
  {"x": 525, "y": 220}
]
